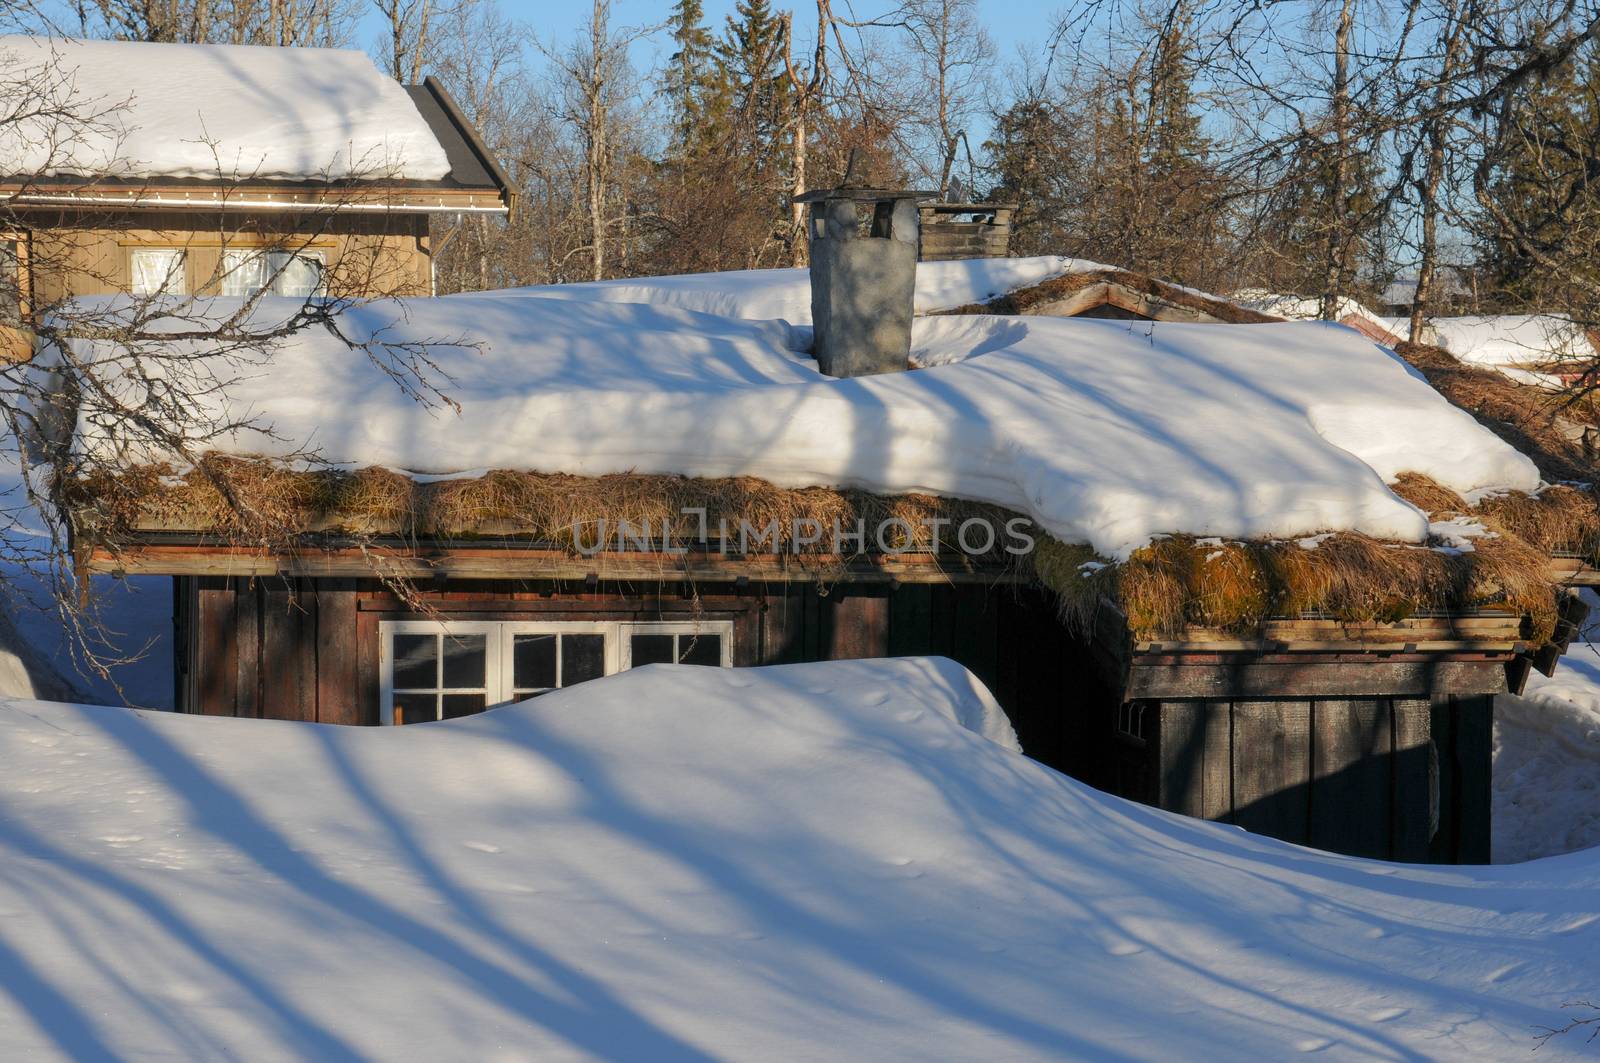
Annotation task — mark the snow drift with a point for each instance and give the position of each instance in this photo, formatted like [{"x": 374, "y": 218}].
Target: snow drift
[
  {"x": 1105, "y": 432},
  {"x": 211, "y": 111},
  {"x": 689, "y": 864},
  {"x": 1547, "y": 761}
]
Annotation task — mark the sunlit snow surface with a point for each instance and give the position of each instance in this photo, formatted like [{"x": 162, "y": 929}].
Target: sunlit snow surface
[
  {"x": 1547, "y": 761},
  {"x": 811, "y": 862}
]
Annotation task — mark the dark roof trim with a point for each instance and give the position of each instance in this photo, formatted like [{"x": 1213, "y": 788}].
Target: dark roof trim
[{"x": 472, "y": 164}]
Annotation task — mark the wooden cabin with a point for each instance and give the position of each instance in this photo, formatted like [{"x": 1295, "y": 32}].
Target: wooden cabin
[
  {"x": 1366, "y": 738},
  {"x": 1328, "y": 725},
  {"x": 325, "y": 175}
]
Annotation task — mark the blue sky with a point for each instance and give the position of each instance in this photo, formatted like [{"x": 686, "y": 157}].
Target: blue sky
[{"x": 1009, "y": 23}]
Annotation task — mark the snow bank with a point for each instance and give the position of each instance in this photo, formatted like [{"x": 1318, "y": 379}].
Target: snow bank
[
  {"x": 1308, "y": 308},
  {"x": 1512, "y": 339},
  {"x": 785, "y": 294},
  {"x": 1547, "y": 761},
  {"x": 189, "y": 110},
  {"x": 1105, "y": 432},
  {"x": 693, "y": 864}
]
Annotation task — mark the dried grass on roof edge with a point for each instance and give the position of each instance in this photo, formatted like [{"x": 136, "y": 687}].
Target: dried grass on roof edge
[{"x": 1175, "y": 582}]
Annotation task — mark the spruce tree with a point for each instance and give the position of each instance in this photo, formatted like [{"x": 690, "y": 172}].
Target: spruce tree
[
  {"x": 1547, "y": 186},
  {"x": 691, "y": 86}
]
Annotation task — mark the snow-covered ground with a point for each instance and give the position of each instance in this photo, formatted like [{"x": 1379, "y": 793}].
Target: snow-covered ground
[
  {"x": 1105, "y": 432},
  {"x": 805, "y": 862},
  {"x": 193, "y": 110},
  {"x": 1547, "y": 762}
]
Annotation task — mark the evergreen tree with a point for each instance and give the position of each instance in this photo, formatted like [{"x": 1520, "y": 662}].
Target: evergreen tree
[
  {"x": 1547, "y": 186},
  {"x": 749, "y": 62},
  {"x": 692, "y": 89}
]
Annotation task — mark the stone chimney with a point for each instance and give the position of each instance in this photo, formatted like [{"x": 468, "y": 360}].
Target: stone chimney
[{"x": 863, "y": 276}]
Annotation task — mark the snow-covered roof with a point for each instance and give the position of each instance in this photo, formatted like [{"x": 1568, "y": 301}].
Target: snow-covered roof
[
  {"x": 1513, "y": 339},
  {"x": 785, "y": 294},
  {"x": 1105, "y": 432},
  {"x": 682, "y": 863},
  {"x": 1309, "y": 308},
  {"x": 210, "y": 111},
  {"x": 1402, "y": 291}
]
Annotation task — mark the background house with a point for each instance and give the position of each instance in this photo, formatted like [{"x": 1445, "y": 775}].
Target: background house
[{"x": 226, "y": 170}]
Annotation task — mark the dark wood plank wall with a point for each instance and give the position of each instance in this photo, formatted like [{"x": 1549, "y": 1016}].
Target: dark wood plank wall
[
  {"x": 1351, "y": 771},
  {"x": 308, "y": 649},
  {"x": 1351, "y": 775}
]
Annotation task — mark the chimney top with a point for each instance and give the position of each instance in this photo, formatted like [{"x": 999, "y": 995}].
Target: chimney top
[{"x": 849, "y": 187}]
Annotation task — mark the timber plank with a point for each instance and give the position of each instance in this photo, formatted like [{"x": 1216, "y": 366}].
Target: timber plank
[
  {"x": 337, "y": 653},
  {"x": 283, "y": 656},
  {"x": 1272, "y": 768},
  {"x": 911, "y": 621},
  {"x": 216, "y": 648},
  {"x": 858, "y": 626},
  {"x": 247, "y": 594},
  {"x": 1335, "y": 680},
  {"x": 1443, "y": 847},
  {"x": 367, "y": 681},
  {"x": 1415, "y": 785},
  {"x": 1181, "y": 753},
  {"x": 1474, "y": 765},
  {"x": 1351, "y": 741},
  {"x": 1194, "y": 751}
]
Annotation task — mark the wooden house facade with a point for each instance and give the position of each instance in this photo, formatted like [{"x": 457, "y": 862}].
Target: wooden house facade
[
  {"x": 237, "y": 232},
  {"x": 1371, "y": 739}
]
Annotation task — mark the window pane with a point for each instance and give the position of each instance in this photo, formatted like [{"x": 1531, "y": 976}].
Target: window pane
[
  {"x": 415, "y": 662},
  {"x": 583, "y": 657},
  {"x": 158, "y": 271},
  {"x": 291, "y": 274},
  {"x": 458, "y": 705},
  {"x": 465, "y": 660},
  {"x": 242, "y": 272},
  {"x": 10, "y": 283},
  {"x": 651, "y": 649},
  {"x": 533, "y": 661},
  {"x": 415, "y": 708},
  {"x": 700, "y": 649}
]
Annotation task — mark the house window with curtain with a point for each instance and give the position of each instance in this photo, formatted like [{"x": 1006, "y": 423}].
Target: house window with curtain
[
  {"x": 158, "y": 271},
  {"x": 440, "y": 670},
  {"x": 298, "y": 274},
  {"x": 13, "y": 281}
]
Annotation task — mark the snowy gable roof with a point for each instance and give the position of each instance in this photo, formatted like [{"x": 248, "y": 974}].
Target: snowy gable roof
[
  {"x": 133, "y": 110},
  {"x": 1502, "y": 340},
  {"x": 1108, "y": 433}
]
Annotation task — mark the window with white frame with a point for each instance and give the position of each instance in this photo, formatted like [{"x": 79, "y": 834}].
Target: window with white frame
[
  {"x": 158, "y": 271},
  {"x": 439, "y": 670},
  {"x": 292, "y": 273},
  {"x": 13, "y": 281}
]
